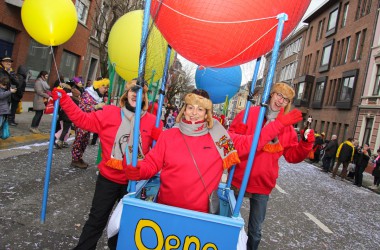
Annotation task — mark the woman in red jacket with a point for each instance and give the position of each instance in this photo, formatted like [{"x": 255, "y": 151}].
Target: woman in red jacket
[
  {"x": 115, "y": 128},
  {"x": 277, "y": 138},
  {"x": 191, "y": 156}
]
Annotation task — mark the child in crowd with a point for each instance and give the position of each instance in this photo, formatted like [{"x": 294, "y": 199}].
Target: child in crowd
[{"x": 5, "y": 95}]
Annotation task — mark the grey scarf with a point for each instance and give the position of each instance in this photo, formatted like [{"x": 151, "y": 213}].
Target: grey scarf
[
  {"x": 222, "y": 140},
  {"x": 124, "y": 140}
]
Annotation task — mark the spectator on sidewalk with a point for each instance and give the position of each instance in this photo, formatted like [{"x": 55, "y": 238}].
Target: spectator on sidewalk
[
  {"x": 361, "y": 163},
  {"x": 115, "y": 128},
  {"x": 351, "y": 167},
  {"x": 330, "y": 152},
  {"x": 345, "y": 155},
  {"x": 7, "y": 71},
  {"x": 376, "y": 172},
  {"x": 5, "y": 95},
  {"x": 170, "y": 120},
  {"x": 277, "y": 138},
  {"x": 41, "y": 97},
  {"x": 319, "y": 141},
  {"x": 17, "y": 97}
]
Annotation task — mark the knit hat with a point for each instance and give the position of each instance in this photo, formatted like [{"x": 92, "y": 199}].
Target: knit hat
[
  {"x": 202, "y": 100},
  {"x": 286, "y": 90},
  {"x": 132, "y": 85},
  {"x": 105, "y": 82}
]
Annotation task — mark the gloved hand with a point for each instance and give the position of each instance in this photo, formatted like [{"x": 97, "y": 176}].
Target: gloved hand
[
  {"x": 290, "y": 118},
  {"x": 307, "y": 135},
  {"x": 156, "y": 133},
  {"x": 59, "y": 93},
  {"x": 133, "y": 173},
  {"x": 99, "y": 105},
  {"x": 241, "y": 129}
]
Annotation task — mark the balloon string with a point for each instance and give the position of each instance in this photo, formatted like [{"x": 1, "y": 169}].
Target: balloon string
[
  {"x": 55, "y": 64},
  {"x": 221, "y": 22},
  {"x": 217, "y": 65}
]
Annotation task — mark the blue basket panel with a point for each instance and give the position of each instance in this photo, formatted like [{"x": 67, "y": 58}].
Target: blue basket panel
[{"x": 148, "y": 225}]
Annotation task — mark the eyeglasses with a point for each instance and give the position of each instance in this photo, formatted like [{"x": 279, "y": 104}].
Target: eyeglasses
[{"x": 283, "y": 98}]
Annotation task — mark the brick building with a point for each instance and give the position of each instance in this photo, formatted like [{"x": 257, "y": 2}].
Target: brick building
[
  {"x": 76, "y": 57},
  {"x": 368, "y": 122},
  {"x": 333, "y": 63}
]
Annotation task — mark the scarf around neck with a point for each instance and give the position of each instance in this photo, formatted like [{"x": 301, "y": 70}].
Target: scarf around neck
[
  {"x": 222, "y": 140},
  {"x": 124, "y": 140},
  {"x": 94, "y": 94}
]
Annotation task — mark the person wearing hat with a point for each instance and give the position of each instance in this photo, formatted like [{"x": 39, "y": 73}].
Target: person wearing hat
[
  {"x": 277, "y": 138},
  {"x": 115, "y": 128},
  {"x": 191, "y": 156},
  {"x": 318, "y": 146},
  {"x": 16, "y": 82},
  {"x": 91, "y": 100}
]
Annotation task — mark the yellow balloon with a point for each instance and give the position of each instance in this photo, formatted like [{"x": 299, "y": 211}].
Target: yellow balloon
[
  {"x": 49, "y": 22},
  {"x": 124, "y": 48}
]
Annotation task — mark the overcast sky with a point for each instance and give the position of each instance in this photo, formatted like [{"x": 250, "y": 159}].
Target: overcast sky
[{"x": 247, "y": 68}]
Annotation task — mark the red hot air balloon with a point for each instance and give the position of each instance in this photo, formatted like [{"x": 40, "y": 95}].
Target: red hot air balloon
[{"x": 224, "y": 33}]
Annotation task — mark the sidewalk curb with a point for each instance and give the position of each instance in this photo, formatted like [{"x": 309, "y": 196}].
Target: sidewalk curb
[{"x": 14, "y": 141}]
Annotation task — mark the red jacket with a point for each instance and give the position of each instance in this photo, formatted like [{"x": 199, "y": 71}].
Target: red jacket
[
  {"x": 181, "y": 185},
  {"x": 105, "y": 123},
  {"x": 265, "y": 167}
]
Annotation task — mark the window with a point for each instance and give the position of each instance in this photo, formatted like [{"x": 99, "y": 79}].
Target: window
[
  {"x": 320, "y": 30},
  {"x": 345, "y": 13},
  {"x": 367, "y": 131},
  {"x": 347, "y": 88},
  {"x": 39, "y": 58},
  {"x": 331, "y": 25},
  {"x": 316, "y": 61},
  {"x": 326, "y": 56},
  {"x": 303, "y": 90},
  {"x": 362, "y": 41},
  {"x": 69, "y": 64},
  {"x": 357, "y": 44},
  {"x": 310, "y": 34},
  {"x": 348, "y": 39},
  {"x": 376, "y": 89},
  {"x": 364, "y": 8},
  {"x": 82, "y": 7},
  {"x": 320, "y": 86},
  {"x": 293, "y": 48}
]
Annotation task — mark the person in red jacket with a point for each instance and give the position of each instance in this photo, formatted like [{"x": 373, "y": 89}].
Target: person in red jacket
[
  {"x": 115, "y": 128},
  {"x": 277, "y": 138},
  {"x": 191, "y": 156}
]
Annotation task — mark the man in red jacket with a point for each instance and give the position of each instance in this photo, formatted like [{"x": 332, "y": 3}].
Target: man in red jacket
[{"x": 277, "y": 138}]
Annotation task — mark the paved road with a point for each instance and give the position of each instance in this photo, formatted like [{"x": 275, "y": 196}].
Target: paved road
[{"x": 308, "y": 209}]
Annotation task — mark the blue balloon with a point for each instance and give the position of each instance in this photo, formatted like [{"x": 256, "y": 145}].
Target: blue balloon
[{"x": 219, "y": 82}]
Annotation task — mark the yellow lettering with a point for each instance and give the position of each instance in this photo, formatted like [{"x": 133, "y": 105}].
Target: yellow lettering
[
  {"x": 148, "y": 223},
  {"x": 209, "y": 245},
  {"x": 192, "y": 240},
  {"x": 168, "y": 245}
]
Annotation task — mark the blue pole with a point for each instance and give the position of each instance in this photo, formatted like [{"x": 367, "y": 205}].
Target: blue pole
[
  {"x": 136, "y": 128},
  {"x": 49, "y": 160},
  {"x": 268, "y": 85},
  {"x": 253, "y": 85},
  {"x": 162, "y": 90}
]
